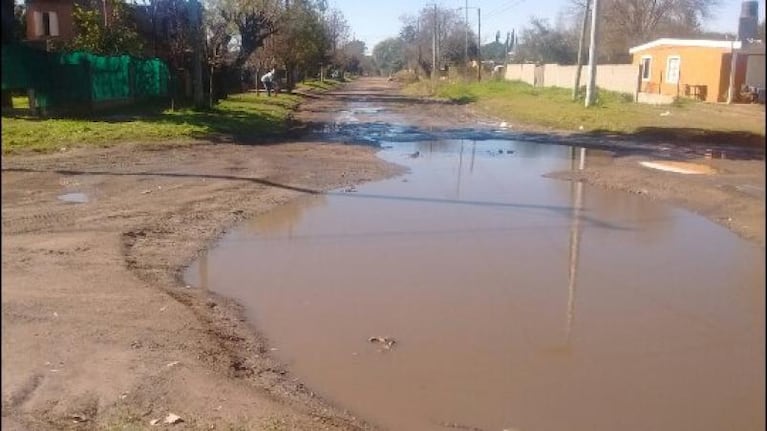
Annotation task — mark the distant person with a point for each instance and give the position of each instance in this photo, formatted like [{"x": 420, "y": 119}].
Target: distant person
[{"x": 268, "y": 81}]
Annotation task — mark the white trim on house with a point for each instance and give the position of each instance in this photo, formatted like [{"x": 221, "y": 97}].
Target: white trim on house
[
  {"x": 668, "y": 69},
  {"x": 735, "y": 44}
]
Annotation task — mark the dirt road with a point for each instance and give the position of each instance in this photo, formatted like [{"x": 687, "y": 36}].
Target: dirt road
[{"x": 100, "y": 332}]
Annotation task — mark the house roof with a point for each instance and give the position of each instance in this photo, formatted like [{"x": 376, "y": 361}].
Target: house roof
[{"x": 732, "y": 44}]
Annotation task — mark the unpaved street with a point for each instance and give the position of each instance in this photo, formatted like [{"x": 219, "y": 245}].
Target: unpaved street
[{"x": 99, "y": 331}]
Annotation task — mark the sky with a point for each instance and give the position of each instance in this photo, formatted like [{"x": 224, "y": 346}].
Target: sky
[{"x": 374, "y": 20}]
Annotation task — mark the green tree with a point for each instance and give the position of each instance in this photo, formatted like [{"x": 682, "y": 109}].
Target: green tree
[
  {"x": 116, "y": 36},
  {"x": 389, "y": 55}
]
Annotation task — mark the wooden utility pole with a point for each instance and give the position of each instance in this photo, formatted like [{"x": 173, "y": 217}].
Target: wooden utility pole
[
  {"x": 434, "y": 46},
  {"x": 733, "y": 66},
  {"x": 466, "y": 47},
  {"x": 593, "y": 52},
  {"x": 479, "y": 45},
  {"x": 196, "y": 12},
  {"x": 579, "y": 61}
]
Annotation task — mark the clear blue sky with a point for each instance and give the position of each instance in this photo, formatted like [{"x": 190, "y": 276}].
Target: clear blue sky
[{"x": 374, "y": 20}]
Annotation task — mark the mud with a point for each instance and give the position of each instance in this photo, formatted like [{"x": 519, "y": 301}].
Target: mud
[
  {"x": 509, "y": 295},
  {"x": 94, "y": 308}
]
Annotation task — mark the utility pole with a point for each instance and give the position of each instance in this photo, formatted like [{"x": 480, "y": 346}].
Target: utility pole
[
  {"x": 434, "y": 46},
  {"x": 733, "y": 66},
  {"x": 579, "y": 61},
  {"x": 591, "y": 86},
  {"x": 479, "y": 45},
  {"x": 197, "y": 54},
  {"x": 466, "y": 47}
]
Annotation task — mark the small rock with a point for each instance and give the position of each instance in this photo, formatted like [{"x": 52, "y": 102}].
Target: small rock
[
  {"x": 172, "y": 364},
  {"x": 154, "y": 422},
  {"x": 386, "y": 342},
  {"x": 79, "y": 418},
  {"x": 164, "y": 308},
  {"x": 146, "y": 192},
  {"x": 415, "y": 155},
  {"x": 173, "y": 419},
  {"x": 665, "y": 114}
]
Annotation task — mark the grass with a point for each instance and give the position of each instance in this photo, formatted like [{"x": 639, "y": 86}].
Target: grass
[
  {"x": 241, "y": 116},
  {"x": 316, "y": 84},
  {"x": 522, "y": 104}
]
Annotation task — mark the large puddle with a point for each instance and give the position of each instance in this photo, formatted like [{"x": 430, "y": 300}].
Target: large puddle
[{"x": 517, "y": 302}]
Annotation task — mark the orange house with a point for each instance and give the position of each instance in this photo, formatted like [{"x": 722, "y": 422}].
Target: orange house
[{"x": 689, "y": 68}]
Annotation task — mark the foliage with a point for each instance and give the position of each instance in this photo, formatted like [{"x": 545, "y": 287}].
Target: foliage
[
  {"x": 414, "y": 49},
  {"x": 542, "y": 43},
  {"x": 389, "y": 55},
  {"x": 519, "y": 104},
  {"x": 242, "y": 116},
  {"x": 115, "y": 37},
  {"x": 627, "y": 23}
]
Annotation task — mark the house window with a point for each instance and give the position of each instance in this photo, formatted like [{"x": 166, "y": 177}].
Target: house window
[
  {"x": 46, "y": 24},
  {"x": 646, "y": 63},
  {"x": 672, "y": 69}
]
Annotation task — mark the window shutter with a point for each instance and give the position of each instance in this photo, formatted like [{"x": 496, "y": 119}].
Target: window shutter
[
  {"x": 38, "y": 22},
  {"x": 54, "y": 23}
]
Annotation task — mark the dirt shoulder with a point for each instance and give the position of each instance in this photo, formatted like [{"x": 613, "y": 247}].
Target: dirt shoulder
[{"x": 100, "y": 332}]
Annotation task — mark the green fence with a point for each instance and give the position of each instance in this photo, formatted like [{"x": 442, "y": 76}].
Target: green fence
[{"x": 81, "y": 79}]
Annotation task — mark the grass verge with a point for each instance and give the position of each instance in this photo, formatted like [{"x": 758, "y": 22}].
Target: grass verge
[
  {"x": 550, "y": 107},
  {"x": 244, "y": 117}
]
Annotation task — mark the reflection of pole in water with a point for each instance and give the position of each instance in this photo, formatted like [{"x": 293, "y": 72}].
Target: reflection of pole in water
[
  {"x": 473, "y": 151},
  {"x": 460, "y": 168},
  {"x": 574, "y": 245},
  {"x": 203, "y": 267}
]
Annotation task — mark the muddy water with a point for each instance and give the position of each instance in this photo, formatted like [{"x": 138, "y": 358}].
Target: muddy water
[{"x": 517, "y": 302}]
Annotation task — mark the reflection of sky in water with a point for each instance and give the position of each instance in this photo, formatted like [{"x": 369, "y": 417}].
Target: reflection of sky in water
[{"x": 513, "y": 296}]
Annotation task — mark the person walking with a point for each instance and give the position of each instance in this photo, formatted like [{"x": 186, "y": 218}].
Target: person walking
[{"x": 268, "y": 81}]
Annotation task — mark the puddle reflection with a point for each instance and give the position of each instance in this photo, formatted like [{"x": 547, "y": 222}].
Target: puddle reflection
[{"x": 466, "y": 264}]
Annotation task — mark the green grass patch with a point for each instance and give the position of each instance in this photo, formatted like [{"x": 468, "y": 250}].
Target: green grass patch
[
  {"x": 316, "y": 84},
  {"x": 241, "y": 116},
  {"x": 550, "y": 107}
]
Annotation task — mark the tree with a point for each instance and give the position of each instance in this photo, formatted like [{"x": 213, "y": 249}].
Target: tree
[
  {"x": 627, "y": 23},
  {"x": 496, "y": 50},
  {"x": 542, "y": 43},
  {"x": 354, "y": 54},
  {"x": 248, "y": 23},
  {"x": 389, "y": 55},
  {"x": 418, "y": 31},
  {"x": 301, "y": 43},
  {"x": 337, "y": 30},
  {"x": 115, "y": 37}
]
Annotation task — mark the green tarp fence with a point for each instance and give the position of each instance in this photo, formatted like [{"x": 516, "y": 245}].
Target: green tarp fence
[{"x": 81, "y": 78}]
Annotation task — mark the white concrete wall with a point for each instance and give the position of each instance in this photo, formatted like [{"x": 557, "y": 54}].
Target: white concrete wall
[
  {"x": 521, "y": 72},
  {"x": 618, "y": 77},
  {"x": 614, "y": 77}
]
